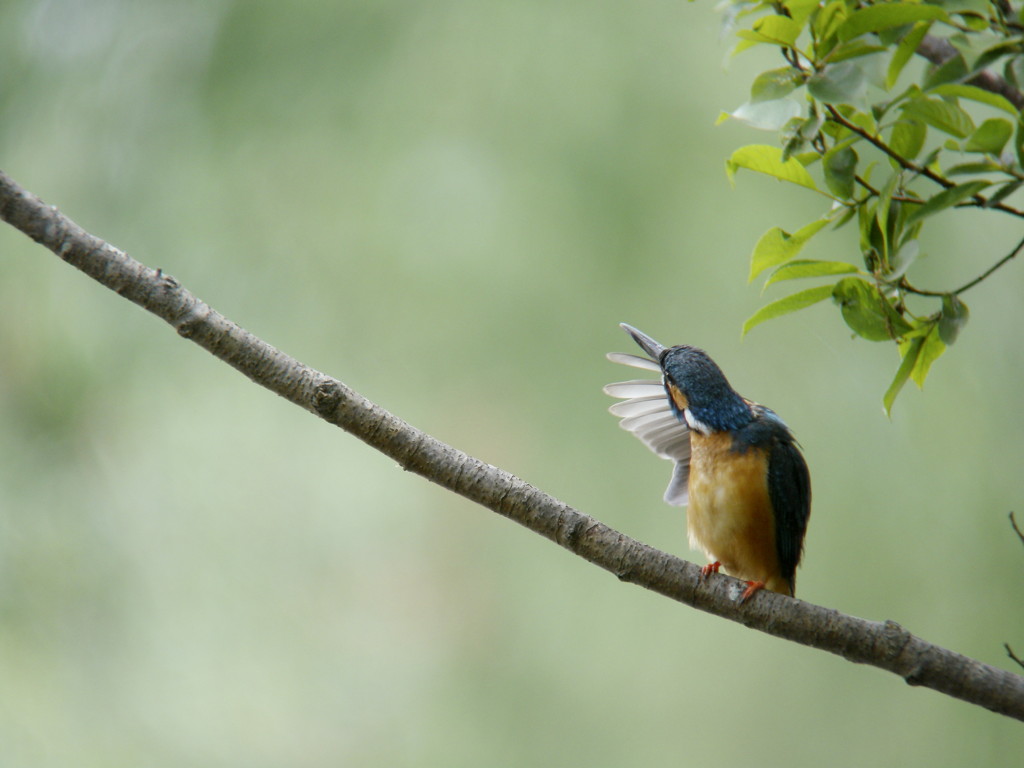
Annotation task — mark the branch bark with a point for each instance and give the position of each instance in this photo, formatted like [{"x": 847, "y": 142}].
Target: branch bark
[
  {"x": 938, "y": 51},
  {"x": 881, "y": 644}
]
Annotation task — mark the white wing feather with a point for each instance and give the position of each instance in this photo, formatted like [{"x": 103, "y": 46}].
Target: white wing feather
[
  {"x": 634, "y": 361},
  {"x": 636, "y": 388},
  {"x": 645, "y": 411}
]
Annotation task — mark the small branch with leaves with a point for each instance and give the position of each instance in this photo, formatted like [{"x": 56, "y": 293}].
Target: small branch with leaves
[{"x": 877, "y": 148}]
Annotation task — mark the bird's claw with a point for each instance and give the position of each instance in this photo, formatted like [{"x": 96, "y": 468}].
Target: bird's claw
[
  {"x": 708, "y": 569},
  {"x": 752, "y": 587}
]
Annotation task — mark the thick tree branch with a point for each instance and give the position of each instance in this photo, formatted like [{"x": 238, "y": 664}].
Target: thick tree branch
[
  {"x": 882, "y": 644},
  {"x": 938, "y": 51}
]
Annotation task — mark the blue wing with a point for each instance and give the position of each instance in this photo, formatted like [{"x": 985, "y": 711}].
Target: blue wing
[{"x": 789, "y": 486}]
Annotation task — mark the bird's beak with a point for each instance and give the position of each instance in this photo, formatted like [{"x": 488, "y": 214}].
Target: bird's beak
[{"x": 649, "y": 345}]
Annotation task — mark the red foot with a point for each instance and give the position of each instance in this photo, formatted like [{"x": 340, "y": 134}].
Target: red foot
[
  {"x": 752, "y": 587},
  {"x": 708, "y": 569}
]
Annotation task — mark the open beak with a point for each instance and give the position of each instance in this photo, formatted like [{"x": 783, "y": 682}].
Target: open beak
[{"x": 649, "y": 345}]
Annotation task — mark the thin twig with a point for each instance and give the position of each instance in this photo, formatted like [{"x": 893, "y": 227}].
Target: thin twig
[
  {"x": 1020, "y": 535},
  {"x": 882, "y": 644},
  {"x": 1013, "y": 522},
  {"x": 876, "y": 193},
  {"x": 1012, "y": 655},
  {"x": 1012, "y": 254},
  {"x": 910, "y": 165},
  {"x": 905, "y": 285},
  {"x": 979, "y": 200}
]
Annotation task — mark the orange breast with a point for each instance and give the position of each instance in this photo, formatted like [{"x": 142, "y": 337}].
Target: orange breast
[{"x": 729, "y": 516}]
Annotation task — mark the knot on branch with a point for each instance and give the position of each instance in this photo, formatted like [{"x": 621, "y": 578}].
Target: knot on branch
[
  {"x": 572, "y": 527},
  {"x": 326, "y": 398},
  {"x": 893, "y": 641},
  {"x": 193, "y": 320},
  {"x": 166, "y": 282}
]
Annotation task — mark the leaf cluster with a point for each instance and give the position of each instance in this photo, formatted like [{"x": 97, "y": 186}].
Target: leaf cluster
[{"x": 889, "y": 148}]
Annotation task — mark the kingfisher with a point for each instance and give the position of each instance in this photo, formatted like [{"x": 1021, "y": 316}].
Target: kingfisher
[{"x": 738, "y": 468}]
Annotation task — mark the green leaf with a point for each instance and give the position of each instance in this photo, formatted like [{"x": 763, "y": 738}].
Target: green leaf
[
  {"x": 840, "y": 166},
  {"x": 777, "y": 246},
  {"x": 1018, "y": 140},
  {"x": 862, "y": 120},
  {"x": 853, "y": 50},
  {"x": 985, "y": 166},
  {"x": 990, "y": 137},
  {"x": 908, "y": 137},
  {"x": 882, "y": 210},
  {"x": 910, "y": 351},
  {"x": 866, "y": 224},
  {"x": 973, "y": 93},
  {"x": 744, "y": 44},
  {"x": 788, "y": 304},
  {"x": 974, "y": 23},
  {"x": 807, "y": 158},
  {"x": 767, "y": 115},
  {"x": 800, "y": 10},
  {"x": 826, "y": 22},
  {"x": 931, "y": 160},
  {"x": 797, "y": 133},
  {"x": 1004, "y": 192},
  {"x": 802, "y": 268},
  {"x": 793, "y": 147},
  {"x": 866, "y": 312},
  {"x": 954, "y": 68},
  {"x": 908, "y": 45},
  {"x": 775, "y": 29},
  {"x": 766, "y": 159},
  {"x": 902, "y": 259},
  {"x": 841, "y": 83},
  {"x": 932, "y": 348},
  {"x": 991, "y": 55},
  {"x": 1013, "y": 70},
  {"x": 886, "y": 16},
  {"x": 953, "y": 318},
  {"x": 845, "y": 217},
  {"x": 947, "y": 117},
  {"x": 775, "y": 83},
  {"x": 946, "y": 199}
]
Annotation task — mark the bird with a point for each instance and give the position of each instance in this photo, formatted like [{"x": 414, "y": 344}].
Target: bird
[{"x": 738, "y": 468}]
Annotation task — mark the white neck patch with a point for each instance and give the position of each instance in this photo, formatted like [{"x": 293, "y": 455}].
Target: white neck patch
[{"x": 695, "y": 424}]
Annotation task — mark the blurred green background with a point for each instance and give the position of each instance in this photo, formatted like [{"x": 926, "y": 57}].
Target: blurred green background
[{"x": 449, "y": 206}]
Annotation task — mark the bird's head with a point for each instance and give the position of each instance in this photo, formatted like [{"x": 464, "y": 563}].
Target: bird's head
[{"x": 696, "y": 387}]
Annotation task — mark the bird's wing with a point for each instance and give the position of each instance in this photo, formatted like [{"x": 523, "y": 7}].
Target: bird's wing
[
  {"x": 645, "y": 411},
  {"x": 767, "y": 413},
  {"x": 789, "y": 487}
]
